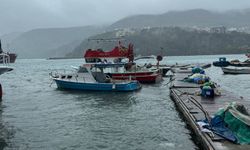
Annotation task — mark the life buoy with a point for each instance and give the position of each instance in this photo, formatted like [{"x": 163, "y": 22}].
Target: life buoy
[{"x": 159, "y": 58}]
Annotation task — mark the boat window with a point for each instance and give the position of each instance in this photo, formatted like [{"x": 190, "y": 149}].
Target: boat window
[
  {"x": 96, "y": 69},
  {"x": 82, "y": 70},
  {"x": 93, "y": 60}
]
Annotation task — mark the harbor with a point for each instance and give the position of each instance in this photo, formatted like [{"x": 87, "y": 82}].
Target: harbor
[
  {"x": 194, "y": 108},
  {"x": 147, "y": 118},
  {"x": 124, "y": 75},
  {"x": 196, "y": 97},
  {"x": 180, "y": 92}
]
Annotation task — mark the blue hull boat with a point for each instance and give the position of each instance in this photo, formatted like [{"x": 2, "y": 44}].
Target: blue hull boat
[
  {"x": 71, "y": 85},
  {"x": 88, "y": 79},
  {"x": 221, "y": 63}
]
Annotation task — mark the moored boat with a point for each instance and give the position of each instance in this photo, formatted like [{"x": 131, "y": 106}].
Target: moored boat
[
  {"x": 88, "y": 79},
  {"x": 181, "y": 70},
  {"x": 130, "y": 70},
  {"x": 4, "y": 58},
  {"x": 222, "y": 62},
  {"x": 188, "y": 68},
  {"x": 12, "y": 56},
  {"x": 141, "y": 76},
  {"x": 116, "y": 54},
  {"x": 236, "y": 70},
  {"x": 238, "y": 63},
  {"x": 151, "y": 63}
]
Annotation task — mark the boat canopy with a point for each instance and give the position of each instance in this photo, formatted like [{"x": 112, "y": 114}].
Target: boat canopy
[{"x": 118, "y": 52}]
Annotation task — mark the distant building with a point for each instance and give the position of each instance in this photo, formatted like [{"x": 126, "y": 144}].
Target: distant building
[{"x": 220, "y": 29}]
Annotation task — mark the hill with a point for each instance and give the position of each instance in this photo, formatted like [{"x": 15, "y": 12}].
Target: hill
[
  {"x": 8, "y": 38},
  {"x": 51, "y": 42},
  {"x": 194, "y": 17},
  {"x": 172, "y": 41}
]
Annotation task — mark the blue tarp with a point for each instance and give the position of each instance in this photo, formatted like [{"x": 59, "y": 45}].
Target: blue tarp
[{"x": 218, "y": 126}]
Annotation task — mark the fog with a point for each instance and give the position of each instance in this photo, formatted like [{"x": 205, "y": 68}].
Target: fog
[{"x": 22, "y": 15}]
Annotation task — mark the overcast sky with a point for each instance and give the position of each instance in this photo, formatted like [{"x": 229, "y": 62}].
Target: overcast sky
[{"x": 22, "y": 15}]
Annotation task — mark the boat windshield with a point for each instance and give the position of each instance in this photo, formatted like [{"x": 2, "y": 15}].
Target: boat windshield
[
  {"x": 82, "y": 70},
  {"x": 95, "y": 69}
]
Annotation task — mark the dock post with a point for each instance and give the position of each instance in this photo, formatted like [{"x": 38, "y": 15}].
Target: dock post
[{"x": 1, "y": 92}]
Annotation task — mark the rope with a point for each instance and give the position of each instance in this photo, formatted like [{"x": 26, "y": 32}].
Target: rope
[
  {"x": 169, "y": 81},
  {"x": 198, "y": 104}
]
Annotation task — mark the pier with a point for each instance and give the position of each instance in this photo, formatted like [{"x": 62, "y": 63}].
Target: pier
[{"x": 181, "y": 92}]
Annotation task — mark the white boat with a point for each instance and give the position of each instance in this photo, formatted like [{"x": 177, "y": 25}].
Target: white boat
[
  {"x": 236, "y": 70},
  {"x": 182, "y": 70},
  {"x": 150, "y": 62},
  {"x": 188, "y": 68},
  {"x": 4, "y": 67}
]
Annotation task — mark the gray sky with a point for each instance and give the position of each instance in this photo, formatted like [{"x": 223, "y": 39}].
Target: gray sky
[{"x": 22, "y": 15}]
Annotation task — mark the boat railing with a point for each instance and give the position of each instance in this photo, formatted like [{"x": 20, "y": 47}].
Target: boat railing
[
  {"x": 68, "y": 75},
  {"x": 4, "y": 58},
  {"x": 56, "y": 73}
]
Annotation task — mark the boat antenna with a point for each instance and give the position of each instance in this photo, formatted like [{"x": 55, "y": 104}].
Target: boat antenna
[{"x": 1, "y": 50}]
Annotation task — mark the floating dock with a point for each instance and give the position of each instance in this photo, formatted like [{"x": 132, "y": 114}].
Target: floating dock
[{"x": 181, "y": 92}]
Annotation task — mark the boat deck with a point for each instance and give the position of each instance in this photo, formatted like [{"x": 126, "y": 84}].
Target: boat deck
[{"x": 181, "y": 91}]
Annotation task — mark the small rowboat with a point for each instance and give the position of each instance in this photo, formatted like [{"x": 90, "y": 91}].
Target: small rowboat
[{"x": 236, "y": 70}]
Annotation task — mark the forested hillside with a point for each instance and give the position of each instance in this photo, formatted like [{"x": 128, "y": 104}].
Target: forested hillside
[
  {"x": 187, "y": 18},
  {"x": 171, "y": 41}
]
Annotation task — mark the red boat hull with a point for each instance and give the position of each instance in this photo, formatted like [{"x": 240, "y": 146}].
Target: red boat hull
[{"x": 142, "y": 77}]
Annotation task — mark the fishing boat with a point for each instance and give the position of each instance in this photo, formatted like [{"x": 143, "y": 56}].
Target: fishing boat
[
  {"x": 222, "y": 62},
  {"x": 151, "y": 63},
  {"x": 90, "y": 77},
  {"x": 12, "y": 56},
  {"x": 181, "y": 70},
  {"x": 236, "y": 70},
  {"x": 130, "y": 70},
  {"x": 137, "y": 73},
  {"x": 188, "y": 68},
  {"x": 118, "y": 53},
  {"x": 4, "y": 67},
  {"x": 238, "y": 63}
]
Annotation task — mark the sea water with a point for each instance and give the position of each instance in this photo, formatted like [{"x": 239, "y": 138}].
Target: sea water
[{"x": 36, "y": 115}]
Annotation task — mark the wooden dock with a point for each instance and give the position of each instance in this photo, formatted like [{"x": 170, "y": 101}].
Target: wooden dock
[{"x": 181, "y": 92}]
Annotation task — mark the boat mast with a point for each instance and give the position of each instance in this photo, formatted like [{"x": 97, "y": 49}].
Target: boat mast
[{"x": 1, "y": 50}]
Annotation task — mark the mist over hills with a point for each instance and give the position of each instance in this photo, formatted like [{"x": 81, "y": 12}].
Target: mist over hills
[
  {"x": 194, "y": 17},
  {"x": 147, "y": 32},
  {"x": 173, "y": 41},
  {"x": 8, "y": 38},
  {"x": 51, "y": 42}
]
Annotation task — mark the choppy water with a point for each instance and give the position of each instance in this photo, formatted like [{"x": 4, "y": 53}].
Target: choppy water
[{"x": 37, "y": 116}]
